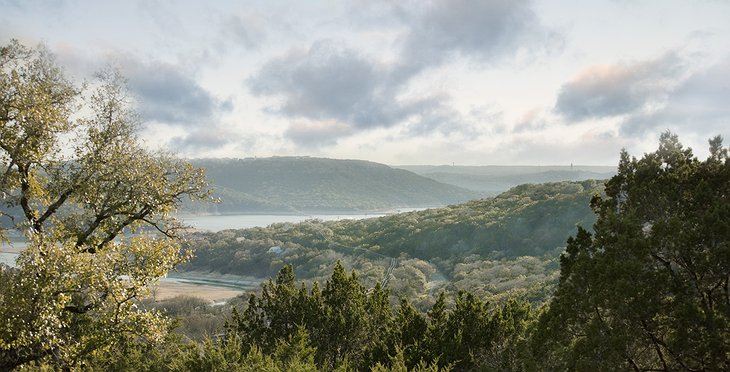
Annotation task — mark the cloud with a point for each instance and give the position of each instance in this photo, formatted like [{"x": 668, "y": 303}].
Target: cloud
[
  {"x": 612, "y": 90},
  {"x": 202, "y": 139},
  {"x": 486, "y": 30},
  {"x": 320, "y": 133},
  {"x": 330, "y": 82},
  {"x": 699, "y": 103},
  {"x": 246, "y": 30},
  {"x": 324, "y": 82},
  {"x": 531, "y": 121},
  {"x": 168, "y": 94}
]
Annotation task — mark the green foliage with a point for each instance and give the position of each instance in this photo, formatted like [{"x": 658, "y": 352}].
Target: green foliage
[
  {"x": 79, "y": 188},
  {"x": 296, "y": 184},
  {"x": 397, "y": 363},
  {"x": 505, "y": 246},
  {"x": 346, "y": 326},
  {"x": 649, "y": 290}
]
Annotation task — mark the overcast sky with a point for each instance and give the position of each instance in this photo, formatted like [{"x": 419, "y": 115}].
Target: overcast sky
[{"x": 404, "y": 82}]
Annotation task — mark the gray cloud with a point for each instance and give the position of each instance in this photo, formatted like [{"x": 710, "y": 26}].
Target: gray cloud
[
  {"x": 332, "y": 83},
  {"x": 614, "y": 90},
  {"x": 483, "y": 29},
  {"x": 169, "y": 95},
  {"x": 244, "y": 30},
  {"x": 329, "y": 82},
  {"x": 317, "y": 134},
  {"x": 202, "y": 139},
  {"x": 345, "y": 92},
  {"x": 325, "y": 82},
  {"x": 699, "y": 103}
]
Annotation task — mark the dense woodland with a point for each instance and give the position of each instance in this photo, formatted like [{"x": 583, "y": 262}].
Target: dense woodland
[
  {"x": 315, "y": 185},
  {"x": 507, "y": 245},
  {"x": 643, "y": 284}
]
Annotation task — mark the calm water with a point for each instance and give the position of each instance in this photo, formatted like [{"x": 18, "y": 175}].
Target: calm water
[
  {"x": 244, "y": 221},
  {"x": 8, "y": 258}
]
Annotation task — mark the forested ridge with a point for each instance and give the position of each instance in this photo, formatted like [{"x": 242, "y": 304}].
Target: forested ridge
[
  {"x": 315, "y": 185},
  {"x": 501, "y": 245}
]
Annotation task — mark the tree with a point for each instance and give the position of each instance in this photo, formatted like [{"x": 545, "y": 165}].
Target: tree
[
  {"x": 649, "y": 289},
  {"x": 468, "y": 333},
  {"x": 346, "y": 320},
  {"x": 409, "y": 332},
  {"x": 95, "y": 206},
  {"x": 380, "y": 325}
]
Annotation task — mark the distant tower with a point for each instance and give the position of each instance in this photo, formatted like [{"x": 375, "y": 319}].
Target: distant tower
[{"x": 571, "y": 167}]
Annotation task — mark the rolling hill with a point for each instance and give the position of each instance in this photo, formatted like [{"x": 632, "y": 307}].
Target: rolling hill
[
  {"x": 492, "y": 180},
  {"x": 506, "y": 244},
  {"x": 305, "y": 184}
]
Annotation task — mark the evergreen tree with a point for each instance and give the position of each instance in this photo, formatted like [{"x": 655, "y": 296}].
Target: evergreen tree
[
  {"x": 435, "y": 343},
  {"x": 649, "y": 290},
  {"x": 409, "y": 332},
  {"x": 467, "y": 334},
  {"x": 345, "y": 320},
  {"x": 381, "y": 324}
]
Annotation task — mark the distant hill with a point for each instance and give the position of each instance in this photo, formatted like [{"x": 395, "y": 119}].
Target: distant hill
[
  {"x": 305, "y": 184},
  {"x": 492, "y": 180}
]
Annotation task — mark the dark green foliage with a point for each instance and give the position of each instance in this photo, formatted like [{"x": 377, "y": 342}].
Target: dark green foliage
[
  {"x": 409, "y": 332},
  {"x": 358, "y": 328},
  {"x": 344, "y": 313},
  {"x": 649, "y": 290},
  {"x": 380, "y": 326}
]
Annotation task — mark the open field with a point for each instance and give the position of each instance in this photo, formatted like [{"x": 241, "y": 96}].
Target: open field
[
  {"x": 212, "y": 287},
  {"x": 169, "y": 289}
]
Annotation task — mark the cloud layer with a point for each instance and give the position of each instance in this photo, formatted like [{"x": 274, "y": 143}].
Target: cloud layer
[
  {"x": 169, "y": 95},
  {"x": 332, "y": 83},
  {"x": 485, "y": 30},
  {"x": 700, "y": 102},
  {"x": 614, "y": 90}
]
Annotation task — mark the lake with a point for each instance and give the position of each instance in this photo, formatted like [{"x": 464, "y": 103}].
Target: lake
[{"x": 245, "y": 221}]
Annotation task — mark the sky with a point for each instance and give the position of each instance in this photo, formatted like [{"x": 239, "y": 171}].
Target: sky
[{"x": 403, "y": 82}]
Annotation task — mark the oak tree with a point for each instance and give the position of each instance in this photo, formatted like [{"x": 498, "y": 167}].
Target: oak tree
[{"x": 96, "y": 207}]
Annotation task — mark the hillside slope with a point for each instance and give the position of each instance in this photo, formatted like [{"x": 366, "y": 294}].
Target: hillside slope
[
  {"x": 304, "y": 184},
  {"x": 506, "y": 245},
  {"x": 492, "y": 180}
]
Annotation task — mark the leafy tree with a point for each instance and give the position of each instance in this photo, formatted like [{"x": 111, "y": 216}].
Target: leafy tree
[
  {"x": 649, "y": 290},
  {"x": 76, "y": 180}
]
